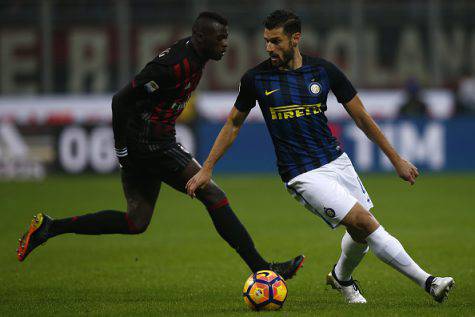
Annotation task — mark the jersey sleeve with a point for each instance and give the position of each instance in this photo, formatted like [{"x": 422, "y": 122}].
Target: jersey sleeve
[
  {"x": 246, "y": 99},
  {"x": 152, "y": 78},
  {"x": 340, "y": 84}
]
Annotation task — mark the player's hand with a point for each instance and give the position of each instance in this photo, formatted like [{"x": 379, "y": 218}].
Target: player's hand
[
  {"x": 122, "y": 157},
  {"x": 407, "y": 171},
  {"x": 200, "y": 180}
]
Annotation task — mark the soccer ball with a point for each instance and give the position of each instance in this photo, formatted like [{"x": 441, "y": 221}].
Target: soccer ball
[{"x": 265, "y": 290}]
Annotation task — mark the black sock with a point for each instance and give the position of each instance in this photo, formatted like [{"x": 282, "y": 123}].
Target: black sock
[
  {"x": 102, "y": 222},
  {"x": 231, "y": 229},
  {"x": 429, "y": 281}
]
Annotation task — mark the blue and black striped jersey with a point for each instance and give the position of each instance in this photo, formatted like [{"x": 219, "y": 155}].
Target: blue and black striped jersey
[{"x": 293, "y": 103}]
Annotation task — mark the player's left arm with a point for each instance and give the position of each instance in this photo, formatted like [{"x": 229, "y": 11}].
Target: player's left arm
[
  {"x": 405, "y": 169},
  {"x": 225, "y": 139},
  {"x": 245, "y": 101}
]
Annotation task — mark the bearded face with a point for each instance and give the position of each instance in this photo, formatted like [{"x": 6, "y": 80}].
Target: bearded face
[{"x": 279, "y": 46}]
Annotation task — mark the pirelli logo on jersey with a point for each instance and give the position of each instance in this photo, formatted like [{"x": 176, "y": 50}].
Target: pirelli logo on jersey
[{"x": 294, "y": 111}]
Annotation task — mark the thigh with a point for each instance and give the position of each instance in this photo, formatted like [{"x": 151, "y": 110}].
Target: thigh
[
  {"x": 174, "y": 162},
  {"x": 178, "y": 179},
  {"x": 360, "y": 223},
  {"x": 321, "y": 193},
  {"x": 210, "y": 194},
  {"x": 178, "y": 166},
  {"x": 350, "y": 180},
  {"x": 141, "y": 191}
]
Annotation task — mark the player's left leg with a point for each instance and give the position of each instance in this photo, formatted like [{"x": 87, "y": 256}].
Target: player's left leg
[
  {"x": 141, "y": 191},
  {"x": 335, "y": 193},
  {"x": 322, "y": 192},
  {"x": 388, "y": 249},
  {"x": 363, "y": 228},
  {"x": 227, "y": 223}
]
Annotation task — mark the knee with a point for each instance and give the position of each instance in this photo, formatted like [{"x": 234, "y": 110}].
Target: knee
[
  {"x": 140, "y": 227},
  {"x": 363, "y": 221},
  {"x": 360, "y": 223},
  {"x": 138, "y": 218},
  {"x": 211, "y": 195},
  {"x": 352, "y": 235}
]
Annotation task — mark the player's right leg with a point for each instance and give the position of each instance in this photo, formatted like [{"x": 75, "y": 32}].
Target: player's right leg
[
  {"x": 319, "y": 191},
  {"x": 340, "y": 278},
  {"x": 141, "y": 192}
]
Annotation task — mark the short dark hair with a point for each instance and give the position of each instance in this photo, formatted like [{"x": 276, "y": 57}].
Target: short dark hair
[
  {"x": 207, "y": 16},
  {"x": 283, "y": 18}
]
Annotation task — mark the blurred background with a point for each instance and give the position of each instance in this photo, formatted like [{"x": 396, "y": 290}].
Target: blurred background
[{"x": 413, "y": 63}]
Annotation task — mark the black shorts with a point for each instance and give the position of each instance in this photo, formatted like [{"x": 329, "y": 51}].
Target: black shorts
[{"x": 160, "y": 165}]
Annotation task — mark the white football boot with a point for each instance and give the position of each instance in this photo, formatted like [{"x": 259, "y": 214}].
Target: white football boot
[
  {"x": 440, "y": 287},
  {"x": 350, "y": 290}
]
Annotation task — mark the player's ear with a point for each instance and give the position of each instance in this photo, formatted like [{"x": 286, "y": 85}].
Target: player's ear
[
  {"x": 296, "y": 38},
  {"x": 198, "y": 36}
]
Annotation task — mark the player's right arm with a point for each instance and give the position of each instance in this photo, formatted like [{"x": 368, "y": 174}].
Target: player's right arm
[
  {"x": 146, "y": 84},
  {"x": 225, "y": 139},
  {"x": 122, "y": 104}
]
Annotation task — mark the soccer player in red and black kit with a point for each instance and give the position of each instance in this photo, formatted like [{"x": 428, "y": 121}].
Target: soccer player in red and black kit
[{"x": 143, "y": 117}]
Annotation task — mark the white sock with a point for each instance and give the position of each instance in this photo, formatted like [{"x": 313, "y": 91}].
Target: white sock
[
  {"x": 389, "y": 250},
  {"x": 351, "y": 255}
]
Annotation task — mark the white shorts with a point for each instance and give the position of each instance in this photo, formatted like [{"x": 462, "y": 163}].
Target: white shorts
[{"x": 330, "y": 191}]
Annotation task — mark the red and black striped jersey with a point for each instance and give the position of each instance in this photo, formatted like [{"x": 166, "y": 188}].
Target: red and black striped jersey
[{"x": 163, "y": 88}]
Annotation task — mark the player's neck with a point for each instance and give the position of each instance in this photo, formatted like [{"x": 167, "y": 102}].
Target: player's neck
[
  {"x": 295, "y": 62},
  {"x": 199, "y": 51}
]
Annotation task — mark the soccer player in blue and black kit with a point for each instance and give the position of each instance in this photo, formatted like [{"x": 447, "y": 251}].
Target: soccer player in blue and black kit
[
  {"x": 292, "y": 90},
  {"x": 143, "y": 117}
]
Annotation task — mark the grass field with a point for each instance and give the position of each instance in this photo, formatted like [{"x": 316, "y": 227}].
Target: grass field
[{"x": 180, "y": 266}]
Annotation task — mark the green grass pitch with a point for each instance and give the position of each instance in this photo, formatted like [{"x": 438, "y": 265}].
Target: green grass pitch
[{"x": 181, "y": 267}]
